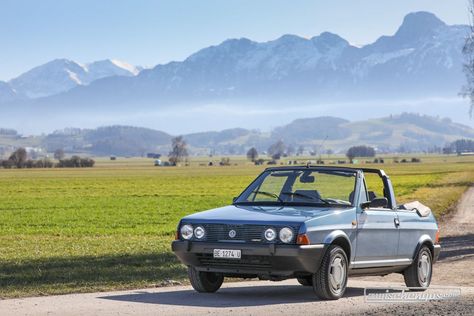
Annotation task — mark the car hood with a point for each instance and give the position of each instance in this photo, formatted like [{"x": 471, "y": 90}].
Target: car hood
[{"x": 255, "y": 214}]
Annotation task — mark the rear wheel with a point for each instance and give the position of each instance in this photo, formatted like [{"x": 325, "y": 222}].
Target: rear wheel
[
  {"x": 330, "y": 281},
  {"x": 418, "y": 274},
  {"x": 205, "y": 282},
  {"x": 306, "y": 281}
]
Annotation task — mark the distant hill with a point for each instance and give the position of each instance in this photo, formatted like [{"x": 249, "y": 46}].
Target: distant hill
[
  {"x": 412, "y": 132},
  {"x": 311, "y": 129},
  {"x": 110, "y": 140},
  {"x": 405, "y": 132}
]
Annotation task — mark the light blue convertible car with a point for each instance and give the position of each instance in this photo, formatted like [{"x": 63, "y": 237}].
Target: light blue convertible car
[{"x": 316, "y": 224}]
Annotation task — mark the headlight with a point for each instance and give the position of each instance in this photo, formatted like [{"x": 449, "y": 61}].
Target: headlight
[
  {"x": 270, "y": 234},
  {"x": 187, "y": 232},
  {"x": 286, "y": 235},
  {"x": 199, "y": 232}
]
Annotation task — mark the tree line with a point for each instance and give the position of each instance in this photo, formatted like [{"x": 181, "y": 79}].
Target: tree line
[
  {"x": 459, "y": 146},
  {"x": 179, "y": 152},
  {"x": 19, "y": 159}
]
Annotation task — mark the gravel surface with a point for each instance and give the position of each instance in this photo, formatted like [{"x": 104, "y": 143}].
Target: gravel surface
[
  {"x": 237, "y": 298},
  {"x": 460, "y": 222},
  {"x": 283, "y": 298}
]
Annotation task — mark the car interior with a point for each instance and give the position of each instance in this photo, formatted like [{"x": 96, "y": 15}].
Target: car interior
[{"x": 300, "y": 195}]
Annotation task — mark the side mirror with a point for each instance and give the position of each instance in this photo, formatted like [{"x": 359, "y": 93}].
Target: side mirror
[{"x": 375, "y": 203}]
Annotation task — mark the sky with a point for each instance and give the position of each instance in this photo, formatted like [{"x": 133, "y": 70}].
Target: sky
[{"x": 151, "y": 32}]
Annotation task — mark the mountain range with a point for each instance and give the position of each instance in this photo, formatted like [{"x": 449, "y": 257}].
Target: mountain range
[
  {"x": 422, "y": 59},
  {"x": 61, "y": 75},
  {"x": 405, "y": 132}
]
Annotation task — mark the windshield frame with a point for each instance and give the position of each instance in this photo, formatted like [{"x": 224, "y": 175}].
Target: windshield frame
[{"x": 251, "y": 187}]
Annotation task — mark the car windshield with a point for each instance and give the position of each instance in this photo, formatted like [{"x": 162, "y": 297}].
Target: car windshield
[{"x": 301, "y": 187}]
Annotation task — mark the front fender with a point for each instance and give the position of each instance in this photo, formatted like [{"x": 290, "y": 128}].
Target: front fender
[
  {"x": 341, "y": 238},
  {"x": 335, "y": 234}
]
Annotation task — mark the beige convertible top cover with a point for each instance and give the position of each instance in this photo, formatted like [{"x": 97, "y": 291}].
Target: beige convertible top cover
[{"x": 420, "y": 208}]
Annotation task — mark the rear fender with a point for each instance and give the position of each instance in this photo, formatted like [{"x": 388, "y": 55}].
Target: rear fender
[{"x": 424, "y": 240}]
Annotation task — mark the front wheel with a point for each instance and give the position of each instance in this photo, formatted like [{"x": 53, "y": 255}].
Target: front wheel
[
  {"x": 330, "y": 281},
  {"x": 418, "y": 274},
  {"x": 205, "y": 282}
]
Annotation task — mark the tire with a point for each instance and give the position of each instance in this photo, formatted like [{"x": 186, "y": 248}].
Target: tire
[
  {"x": 205, "y": 282},
  {"x": 330, "y": 281},
  {"x": 418, "y": 274},
  {"x": 306, "y": 281}
]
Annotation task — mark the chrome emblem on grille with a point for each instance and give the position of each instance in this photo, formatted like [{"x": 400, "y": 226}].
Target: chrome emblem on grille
[{"x": 232, "y": 233}]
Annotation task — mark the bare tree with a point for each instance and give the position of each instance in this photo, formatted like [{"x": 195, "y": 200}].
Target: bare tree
[
  {"x": 19, "y": 157},
  {"x": 468, "y": 51},
  {"x": 59, "y": 154},
  {"x": 351, "y": 155},
  {"x": 179, "y": 150},
  {"x": 276, "y": 150},
  {"x": 252, "y": 154}
]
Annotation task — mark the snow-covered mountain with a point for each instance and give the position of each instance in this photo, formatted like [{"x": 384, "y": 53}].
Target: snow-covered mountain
[
  {"x": 61, "y": 75},
  {"x": 423, "y": 56},
  {"x": 421, "y": 63},
  {"x": 422, "y": 59}
]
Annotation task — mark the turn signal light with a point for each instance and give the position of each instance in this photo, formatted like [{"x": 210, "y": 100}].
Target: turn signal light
[
  {"x": 302, "y": 239},
  {"x": 437, "y": 237},
  {"x": 176, "y": 237}
]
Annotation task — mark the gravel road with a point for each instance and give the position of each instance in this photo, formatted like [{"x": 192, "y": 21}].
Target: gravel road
[
  {"x": 237, "y": 298},
  {"x": 283, "y": 298}
]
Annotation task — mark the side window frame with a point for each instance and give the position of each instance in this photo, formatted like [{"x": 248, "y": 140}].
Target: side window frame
[
  {"x": 362, "y": 191},
  {"x": 391, "y": 206}
]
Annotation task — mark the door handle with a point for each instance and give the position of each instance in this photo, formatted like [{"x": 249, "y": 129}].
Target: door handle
[{"x": 396, "y": 221}]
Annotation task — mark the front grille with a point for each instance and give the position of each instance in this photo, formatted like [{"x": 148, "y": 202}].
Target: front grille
[
  {"x": 243, "y": 233},
  {"x": 246, "y": 262},
  {"x": 220, "y": 232}
]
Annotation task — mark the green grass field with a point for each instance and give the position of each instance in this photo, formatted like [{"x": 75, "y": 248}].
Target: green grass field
[{"x": 110, "y": 227}]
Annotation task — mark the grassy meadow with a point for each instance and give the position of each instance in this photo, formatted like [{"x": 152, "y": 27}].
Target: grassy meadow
[{"x": 110, "y": 227}]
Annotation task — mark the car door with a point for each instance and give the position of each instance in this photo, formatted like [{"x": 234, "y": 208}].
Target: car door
[
  {"x": 377, "y": 235},
  {"x": 411, "y": 230}
]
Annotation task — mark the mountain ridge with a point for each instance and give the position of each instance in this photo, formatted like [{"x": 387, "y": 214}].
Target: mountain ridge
[
  {"x": 292, "y": 65},
  {"x": 61, "y": 75},
  {"x": 422, "y": 60}
]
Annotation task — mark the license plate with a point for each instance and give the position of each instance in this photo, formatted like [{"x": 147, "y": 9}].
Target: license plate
[{"x": 227, "y": 253}]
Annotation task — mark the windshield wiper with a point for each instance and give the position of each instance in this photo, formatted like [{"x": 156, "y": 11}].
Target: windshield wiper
[
  {"x": 338, "y": 201},
  {"x": 307, "y": 197},
  {"x": 268, "y": 194}
]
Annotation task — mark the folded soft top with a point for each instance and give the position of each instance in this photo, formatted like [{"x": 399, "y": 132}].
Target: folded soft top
[{"x": 421, "y": 209}]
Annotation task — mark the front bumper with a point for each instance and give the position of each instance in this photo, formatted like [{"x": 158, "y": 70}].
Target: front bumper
[{"x": 257, "y": 259}]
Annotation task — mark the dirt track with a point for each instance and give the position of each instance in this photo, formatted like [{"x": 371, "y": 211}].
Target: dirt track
[
  {"x": 460, "y": 222},
  {"x": 282, "y": 298}
]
